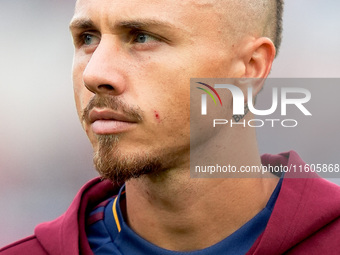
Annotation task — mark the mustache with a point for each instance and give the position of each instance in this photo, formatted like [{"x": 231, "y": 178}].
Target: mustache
[{"x": 116, "y": 104}]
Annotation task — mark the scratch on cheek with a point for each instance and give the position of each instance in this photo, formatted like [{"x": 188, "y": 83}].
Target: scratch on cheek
[{"x": 157, "y": 116}]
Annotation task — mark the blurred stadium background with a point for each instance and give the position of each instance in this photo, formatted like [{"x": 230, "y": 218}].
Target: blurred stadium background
[{"x": 45, "y": 156}]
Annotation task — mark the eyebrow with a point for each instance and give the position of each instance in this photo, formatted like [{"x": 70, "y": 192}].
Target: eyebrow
[
  {"x": 82, "y": 23},
  {"x": 87, "y": 23},
  {"x": 141, "y": 24}
]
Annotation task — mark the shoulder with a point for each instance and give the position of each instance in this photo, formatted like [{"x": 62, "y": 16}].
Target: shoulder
[
  {"x": 66, "y": 234},
  {"x": 306, "y": 215},
  {"x": 325, "y": 240},
  {"x": 29, "y": 245}
]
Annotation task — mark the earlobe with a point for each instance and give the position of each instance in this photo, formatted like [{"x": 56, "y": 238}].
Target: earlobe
[{"x": 260, "y": 58}]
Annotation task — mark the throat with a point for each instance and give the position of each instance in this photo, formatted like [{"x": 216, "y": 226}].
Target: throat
[{"x": 175, "y": 217}]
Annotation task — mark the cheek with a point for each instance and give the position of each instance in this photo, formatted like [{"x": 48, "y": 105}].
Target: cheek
[
  {"x": 170, "y": 96},
  {"x": 175, "y": 115},
  {"x": 81, "y": 94}
]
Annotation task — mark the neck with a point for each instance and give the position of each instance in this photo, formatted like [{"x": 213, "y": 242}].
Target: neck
[{"x": 170, "y": 209}]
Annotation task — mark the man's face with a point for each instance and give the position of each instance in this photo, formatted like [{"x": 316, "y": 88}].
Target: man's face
[{"x": 133, "y": 63}]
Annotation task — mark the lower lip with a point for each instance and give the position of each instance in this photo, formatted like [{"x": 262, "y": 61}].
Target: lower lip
[{"x": 104, "y": 127}]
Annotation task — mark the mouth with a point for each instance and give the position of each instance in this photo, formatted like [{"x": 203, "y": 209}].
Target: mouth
[{"x": 105, "y": 121}]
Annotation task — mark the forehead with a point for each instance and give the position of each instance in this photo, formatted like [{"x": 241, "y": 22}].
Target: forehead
[
  {"x": 185, "y": 14},
  {"x": 160, "y": 4}
]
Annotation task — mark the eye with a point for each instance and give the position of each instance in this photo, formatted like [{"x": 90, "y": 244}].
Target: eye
[
  {"x": 140, "y": 37},
  {"x": 89, "y": 39}
]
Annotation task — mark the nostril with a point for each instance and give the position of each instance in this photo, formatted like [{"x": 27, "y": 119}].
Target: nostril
[{"x": 106, "y": 87}]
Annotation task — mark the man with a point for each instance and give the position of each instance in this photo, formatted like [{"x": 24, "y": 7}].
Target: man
[{"x": 132, "y": 68}]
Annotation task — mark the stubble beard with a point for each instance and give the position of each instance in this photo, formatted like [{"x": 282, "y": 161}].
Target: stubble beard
[{"x": 118, "y": 167}]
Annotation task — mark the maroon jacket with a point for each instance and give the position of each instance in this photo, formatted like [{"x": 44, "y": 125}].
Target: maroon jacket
[{"x": 305, "y": 219}]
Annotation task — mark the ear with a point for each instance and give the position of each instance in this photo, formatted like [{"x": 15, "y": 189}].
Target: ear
[
  {"x": 259, "y": 58},
  {"x": 255, "y": 60}
]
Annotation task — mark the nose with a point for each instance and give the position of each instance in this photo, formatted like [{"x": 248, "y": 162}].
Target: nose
[{"x": 103, "y": 73}]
